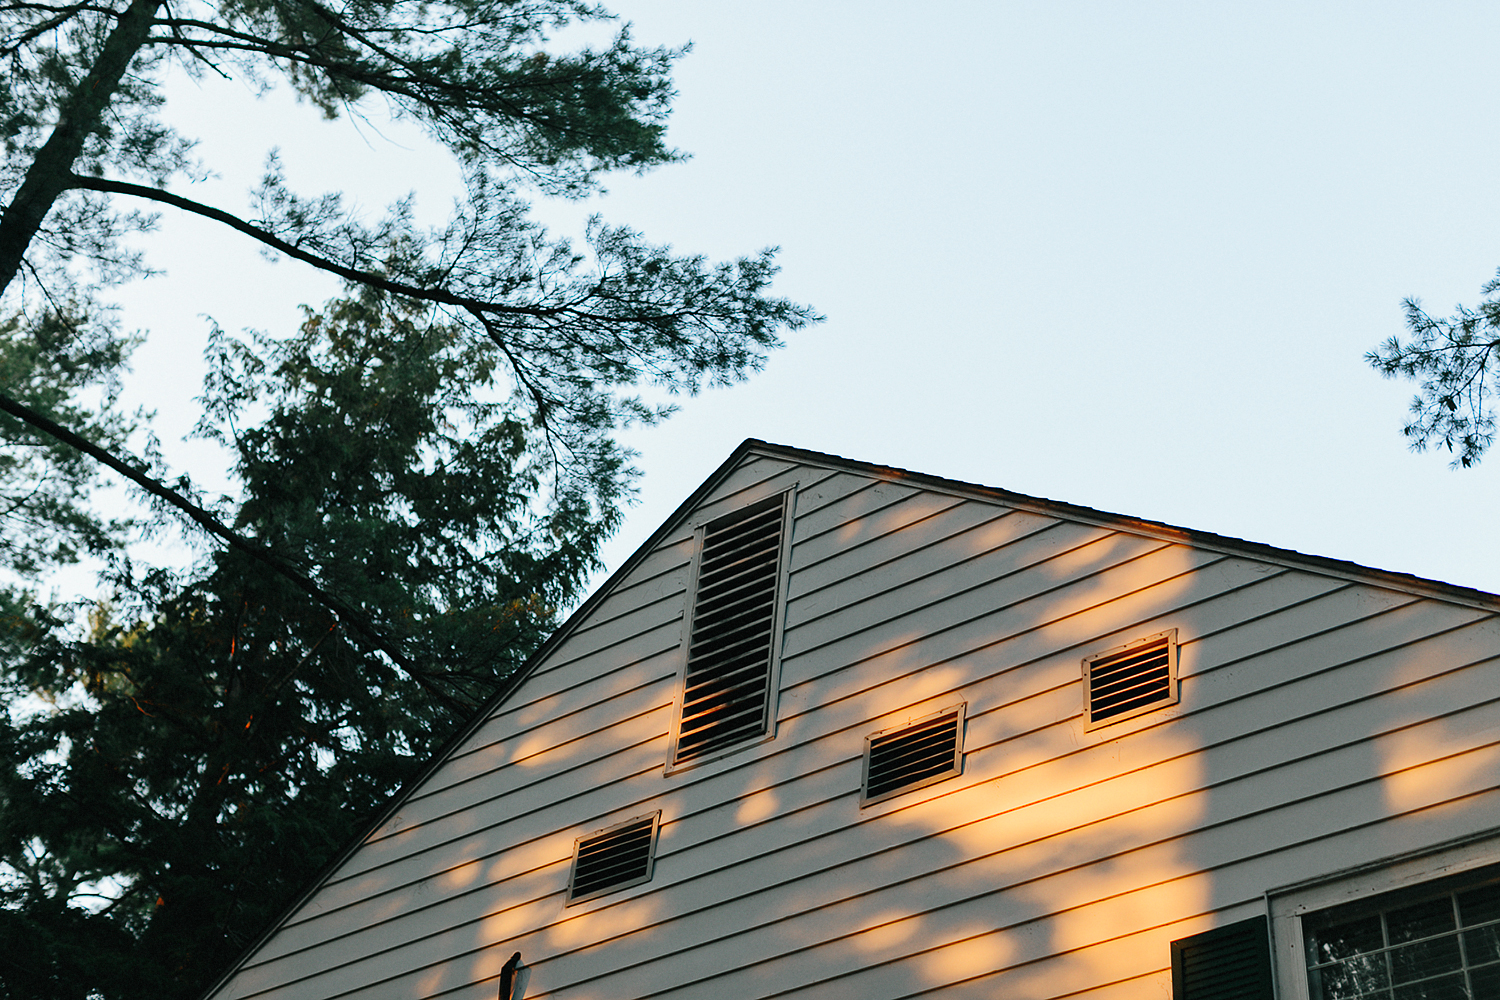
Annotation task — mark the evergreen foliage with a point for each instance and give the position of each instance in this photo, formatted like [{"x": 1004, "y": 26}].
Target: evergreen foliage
[
  {"x": 1455, "y": 361},
  {"x": 67, "y": 366},
  {"x": 422, "y": 475},
  {"x": 218, "y": 733}
]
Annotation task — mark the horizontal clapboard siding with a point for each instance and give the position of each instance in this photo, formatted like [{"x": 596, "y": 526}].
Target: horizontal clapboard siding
[{"x": 1322, "y": 722}]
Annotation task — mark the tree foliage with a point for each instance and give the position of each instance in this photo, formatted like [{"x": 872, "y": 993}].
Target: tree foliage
[
  {"x": 574, "y": 324},
  {"x": 67, "y": 367},
  {"x": 217, "y": 732},
  {"x": 1455, "y": 362},
  {"x": 422, "y": 474}
]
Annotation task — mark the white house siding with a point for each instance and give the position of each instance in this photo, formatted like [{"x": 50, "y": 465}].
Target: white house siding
[{"x": 1323, "y": 722}]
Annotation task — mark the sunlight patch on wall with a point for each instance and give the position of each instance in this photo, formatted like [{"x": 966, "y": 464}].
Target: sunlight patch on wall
[
  {"x": 508, "y": 924},
  {"x": 756, "y": 805},
  {"x": 984, "y": 952},
  {"x": 606, "y": 922},
  {"x": 1073, "y": 869},
  {"x": 1419, "y": 786},
  {"x": 464, "y": 876},
  {"x": 886, "y": 929}
]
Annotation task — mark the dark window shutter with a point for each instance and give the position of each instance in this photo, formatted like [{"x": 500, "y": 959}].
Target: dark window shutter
[
  {"x": 1228, "y": 963},
  {"x": 614, "y": 858},
  {"x": 917, "y": 754},
  {"x": 731, "y": 645}
]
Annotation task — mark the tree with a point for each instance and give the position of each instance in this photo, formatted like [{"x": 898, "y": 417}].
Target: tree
[
  {"x": 424, "y": 474},
  {"x": 57, "y": 362},
  {"x": 1455, "y": 361},
  {"x": 575, "y": 328},
  {"x": 217, "y": 733}
]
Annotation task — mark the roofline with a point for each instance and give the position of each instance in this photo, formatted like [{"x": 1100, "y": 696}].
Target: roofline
[
  {"x": 1343, "y": 568},
  {"x": 481, "y": 714}
]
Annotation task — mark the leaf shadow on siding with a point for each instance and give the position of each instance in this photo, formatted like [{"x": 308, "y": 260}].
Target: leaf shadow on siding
[{"x": 1365, "y": 732}]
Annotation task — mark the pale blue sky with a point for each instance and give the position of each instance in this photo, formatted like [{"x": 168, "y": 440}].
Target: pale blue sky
[{"x": 1125, "y": 255}]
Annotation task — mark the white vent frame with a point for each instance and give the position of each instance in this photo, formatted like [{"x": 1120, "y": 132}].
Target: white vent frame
[
  {"x": 1109, "y": 657},
  {"x": 767, "y": 728},
  {"x": 621, "y": 829},
  {"x": 957, "y": 712}
]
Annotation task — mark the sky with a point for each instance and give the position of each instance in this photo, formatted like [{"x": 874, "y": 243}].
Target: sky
[{"x": 1121, "y": 255}]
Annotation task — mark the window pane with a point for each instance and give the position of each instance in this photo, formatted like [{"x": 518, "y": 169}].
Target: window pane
[
  {"x": 1427, "y": 958},
  {"x": 1421, "y": 920},
  {"x": 1357, "y": 977},
  {"x": 1486, "y": 982},
  {"x": 1329, "y": 944},
  {"x": 1447, "y": 988},
  {"x": 1410, "y": 948},
  {"x": 1481, "y": 905},
  {"x": 1483, "y": 945}
]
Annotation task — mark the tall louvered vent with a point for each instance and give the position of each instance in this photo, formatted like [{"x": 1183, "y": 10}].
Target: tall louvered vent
[
  {"x": 1132, "y": 679},
  {"x": 726, "y": 686},
  {"x": 613, "y": 859},
  {"x": 917, "y": 754},
  {"x": 1230, "y": 963}
]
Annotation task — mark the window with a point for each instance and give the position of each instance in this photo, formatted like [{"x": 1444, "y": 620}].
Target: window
[
  {"x": 1433, "y": 942},
  {"x": 1421, "y": 926},
  {"x": 1227, "y": 963},
  {"x": 1128, "y": 680},
  {"x": 616, "y": 857},
  {"x": 906, "y": 757},
  {"x": 728, "y": 686}
]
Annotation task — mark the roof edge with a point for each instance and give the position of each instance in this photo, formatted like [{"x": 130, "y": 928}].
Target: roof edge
[
  {"x": 502, "y": 694},
  {"x": 1407, "y": 582},
  {"x": 1344, "y": 568}
]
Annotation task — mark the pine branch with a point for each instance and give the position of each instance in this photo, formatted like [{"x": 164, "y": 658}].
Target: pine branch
[
  {"x": 240, "y": 543},
  {"x": 47, "y": 177},
  {"x": 440, "y": 296}
]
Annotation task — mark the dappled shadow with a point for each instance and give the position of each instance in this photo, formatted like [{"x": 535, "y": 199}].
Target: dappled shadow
[{"x": 1319, "y": 719}]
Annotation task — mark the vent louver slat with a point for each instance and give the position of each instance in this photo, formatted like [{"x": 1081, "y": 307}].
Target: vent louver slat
[
  {"x": 914, "y": 755},
  {"x": 726, "y": 685},
  {"x": 613, "y": 859},
  {"x": 1130, "y": 680}
]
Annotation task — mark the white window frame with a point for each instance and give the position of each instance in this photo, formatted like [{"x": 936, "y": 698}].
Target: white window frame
[
  {"x": 1289, "y": 904},
  {"x": 788, "y": 497}
]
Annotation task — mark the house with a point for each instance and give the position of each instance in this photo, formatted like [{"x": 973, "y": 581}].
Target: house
[{"x": 838, "y": 730}]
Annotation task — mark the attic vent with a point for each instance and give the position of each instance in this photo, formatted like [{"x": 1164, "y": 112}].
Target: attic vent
[
  {"x": 613, "y": 858},
  {"x": 916, "y": 754},
  {"x": 1131, "y": 679},
  {"x": 727, "y": 688}
]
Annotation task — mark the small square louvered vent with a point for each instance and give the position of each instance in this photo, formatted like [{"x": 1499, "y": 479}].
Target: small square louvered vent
[
  {"x": 916, "y": 754},
  {"x": 1131, "y": 679},
  {"x": 613, "y": 858},
  {"x": 727, "y": 682}
]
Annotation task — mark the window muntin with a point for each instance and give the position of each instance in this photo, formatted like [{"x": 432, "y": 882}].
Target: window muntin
[
  {"x": 728, "y": 686},
  {"x": 1443, "y": 943}
]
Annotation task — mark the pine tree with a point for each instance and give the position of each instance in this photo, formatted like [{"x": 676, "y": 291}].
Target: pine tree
[
  {"x": 423, "y": 474},
  {"x": 1455, "y": 361},
  {"x": 218, "y": 732}
]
